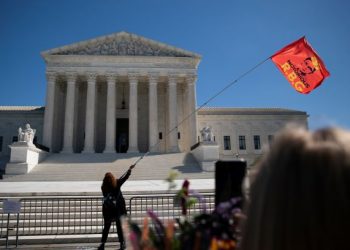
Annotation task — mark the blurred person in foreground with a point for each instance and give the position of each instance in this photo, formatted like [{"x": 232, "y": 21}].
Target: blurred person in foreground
[{"x": 300, "y": 198}]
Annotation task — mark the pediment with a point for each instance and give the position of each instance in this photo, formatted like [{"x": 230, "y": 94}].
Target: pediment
[{"x": 121, "y": 44}]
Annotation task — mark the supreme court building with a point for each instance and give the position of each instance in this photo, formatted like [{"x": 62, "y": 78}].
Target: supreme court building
[{"x": 123, "y": 93}]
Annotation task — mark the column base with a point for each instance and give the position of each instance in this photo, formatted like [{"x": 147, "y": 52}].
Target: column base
[
  {"x": 109, "y": 151},
  {"x": 67, "y": 151},
  {"x": 133, "y": 150},
  {"x": 88, "y": 151}
]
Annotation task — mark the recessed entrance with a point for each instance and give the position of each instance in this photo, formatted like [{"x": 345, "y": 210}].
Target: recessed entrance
[{"x": 122, "y": 132}]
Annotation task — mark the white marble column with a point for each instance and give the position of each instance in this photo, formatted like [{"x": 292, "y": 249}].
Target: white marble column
[
  {"x": 89, "y": 145},
  {"x": 133, "y": 120},
  {"x": 110, "y": 114},
  {"x": 153, "y": 114},
  {"x": 191, "y": 102},
  {"x": 49, "y": 110},
  {"x": 172, "y": 115},
  {"x": 69, "y": 115}
]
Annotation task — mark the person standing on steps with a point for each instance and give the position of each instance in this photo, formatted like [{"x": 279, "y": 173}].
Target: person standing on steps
[{"x": 113, "y": 205}]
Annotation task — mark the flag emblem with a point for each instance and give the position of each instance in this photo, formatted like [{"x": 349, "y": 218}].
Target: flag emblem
[{"x": 301, "y": 65}]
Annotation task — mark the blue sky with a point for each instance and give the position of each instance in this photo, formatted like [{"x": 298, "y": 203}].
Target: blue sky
[{"x": 231, "y": 35}]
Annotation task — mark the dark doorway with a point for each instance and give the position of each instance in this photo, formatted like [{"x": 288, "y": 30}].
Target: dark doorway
[{"x": 122, "y": 133}]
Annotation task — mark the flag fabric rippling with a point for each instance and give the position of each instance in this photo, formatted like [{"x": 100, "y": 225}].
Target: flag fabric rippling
[{"x": 301, "y": 65}]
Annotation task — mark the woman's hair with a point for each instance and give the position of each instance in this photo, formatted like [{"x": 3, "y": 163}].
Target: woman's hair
[
  {"x": 109, "y": 183},
  {"x": 300, "y": 198}
]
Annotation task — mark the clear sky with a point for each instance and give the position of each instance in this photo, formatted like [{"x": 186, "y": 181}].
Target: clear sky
[{"x": 231, "y": 35}]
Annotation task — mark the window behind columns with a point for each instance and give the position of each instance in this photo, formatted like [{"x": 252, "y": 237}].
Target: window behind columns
[{"x": 1, "y": 139}]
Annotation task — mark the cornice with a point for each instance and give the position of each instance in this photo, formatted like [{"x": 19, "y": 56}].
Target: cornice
[{"x": 121, "y": 61}]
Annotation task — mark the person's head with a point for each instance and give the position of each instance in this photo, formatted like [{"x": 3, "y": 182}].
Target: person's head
[
  {"x": 306, "y": 67},
  {"x": 300, "y": 198},
  {"x": 109, "y": 182}
]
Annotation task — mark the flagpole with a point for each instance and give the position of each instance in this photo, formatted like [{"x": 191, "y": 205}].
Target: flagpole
[{"x": 204, "y": 104}]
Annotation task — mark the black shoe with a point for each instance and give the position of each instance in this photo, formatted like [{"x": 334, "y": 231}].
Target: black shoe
[
  {"x": 101, "y": 247},
  {"x": 122, "y": 245}
]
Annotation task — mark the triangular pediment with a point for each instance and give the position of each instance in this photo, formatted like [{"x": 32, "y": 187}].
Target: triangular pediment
[{"x": 121, "y": 44}]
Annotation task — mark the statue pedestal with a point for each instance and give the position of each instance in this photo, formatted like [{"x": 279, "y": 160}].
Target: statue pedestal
[
  {"x": 24, "y": 157},
  {"x": 207, "y": 153}
]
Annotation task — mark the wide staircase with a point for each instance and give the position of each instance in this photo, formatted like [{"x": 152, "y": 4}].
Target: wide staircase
[
  {"x": 78, "y": 219},
  {"x": 92, "y": 167}
]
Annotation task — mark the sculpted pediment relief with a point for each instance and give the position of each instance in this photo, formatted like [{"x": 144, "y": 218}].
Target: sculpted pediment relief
[{"x": 121, "y": 44}]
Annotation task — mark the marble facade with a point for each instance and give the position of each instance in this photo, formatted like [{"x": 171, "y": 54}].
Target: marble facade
[
  {"x": 121, "y": 85},
  {"x": 257, "y": 126}
]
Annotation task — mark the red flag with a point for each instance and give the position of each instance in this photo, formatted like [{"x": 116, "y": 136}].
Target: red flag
[{"x": 300, "y": 64}]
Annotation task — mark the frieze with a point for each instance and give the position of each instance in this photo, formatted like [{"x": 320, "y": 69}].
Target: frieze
[
  {"x": 121, "y": 61},
  {"x": 63, "y": 73}
]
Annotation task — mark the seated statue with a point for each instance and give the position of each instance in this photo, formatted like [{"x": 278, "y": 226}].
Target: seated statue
[
  {"x": 27, "y": 134},
  {"x": 207, "y": 134}
]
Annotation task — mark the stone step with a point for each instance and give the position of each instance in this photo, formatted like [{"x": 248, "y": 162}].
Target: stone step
[
  {"x": 69, "y": 167},
  {"x": 40, "y": 240}
]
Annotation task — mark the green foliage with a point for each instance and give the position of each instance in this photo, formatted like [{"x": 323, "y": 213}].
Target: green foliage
[{"x": 171, "y": 180}]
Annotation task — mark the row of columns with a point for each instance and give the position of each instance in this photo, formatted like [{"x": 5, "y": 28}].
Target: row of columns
[{"x": 111, "y": 115}]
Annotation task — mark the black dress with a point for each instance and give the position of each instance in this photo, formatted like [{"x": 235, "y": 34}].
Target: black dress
[{"x": 110, "y": 216}]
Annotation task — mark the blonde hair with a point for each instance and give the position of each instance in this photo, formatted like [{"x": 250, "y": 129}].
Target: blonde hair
[
  {"x": 300, "y": 198},
  {"x": 109, "y": 183}
]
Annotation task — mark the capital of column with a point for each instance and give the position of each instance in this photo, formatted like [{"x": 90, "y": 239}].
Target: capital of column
[
  {"x": 51, "y": 76},
  {"x": 153, "y": 78},
  {"x": 191, "y": 79},
  {"x": 91, "y": 77},
  {"x": 172, "y": 79},
  {"x": 71, "y": 77},
  {"x": 133, "y": 78},
  {"x": 111, "y": 77}
]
